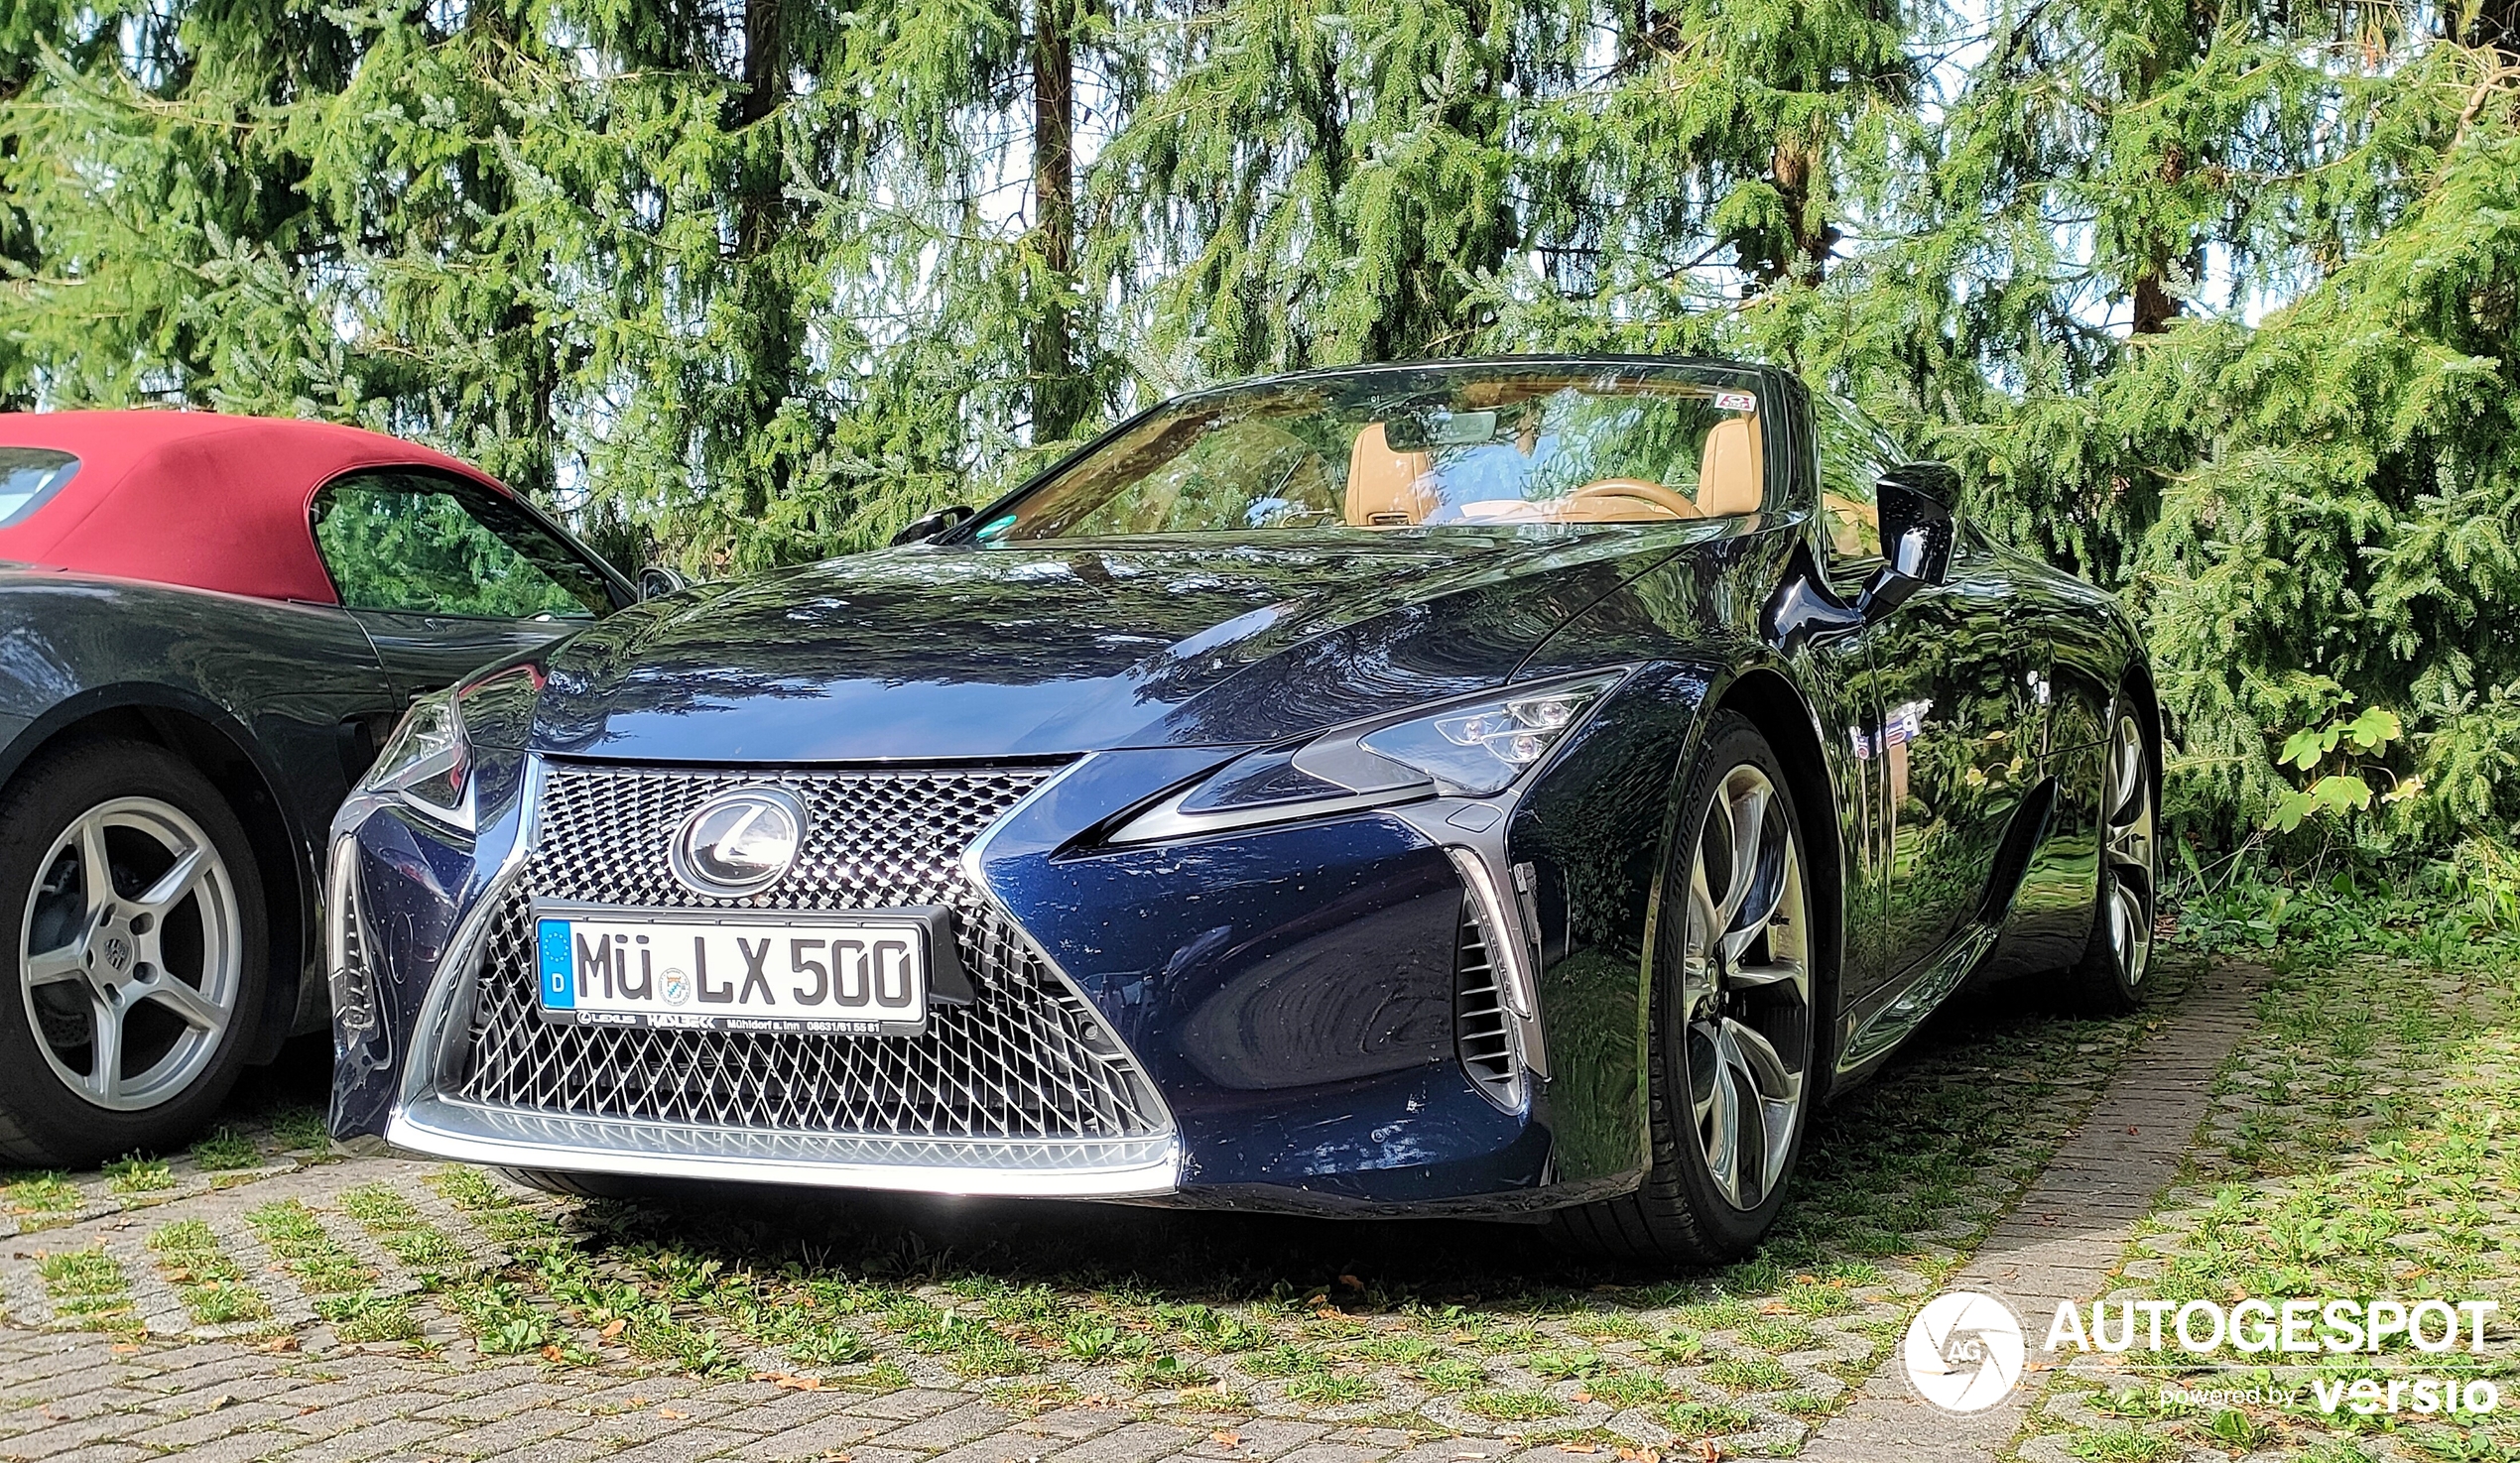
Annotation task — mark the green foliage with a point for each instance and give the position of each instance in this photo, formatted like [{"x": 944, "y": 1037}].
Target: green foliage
[
  {"x": 2344, "y": 790},
  {"x": 2212, "y": 301}
]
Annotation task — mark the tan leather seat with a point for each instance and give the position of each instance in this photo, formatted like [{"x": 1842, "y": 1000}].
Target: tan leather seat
[
  {"x": 1383, "y": 486},
  {"x": 1730, "y": 480}
]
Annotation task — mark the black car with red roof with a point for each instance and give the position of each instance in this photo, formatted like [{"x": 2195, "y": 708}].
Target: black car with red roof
[{"x": 209, "y": 625}]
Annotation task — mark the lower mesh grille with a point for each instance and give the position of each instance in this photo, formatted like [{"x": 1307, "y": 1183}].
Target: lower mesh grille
[
  {"x": 1478, "y": 1011},
  {"x": 1027, "y": 1061}
]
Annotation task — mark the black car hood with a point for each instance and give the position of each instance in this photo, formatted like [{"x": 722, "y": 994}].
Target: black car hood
[{"x": 1063, "y": 647}]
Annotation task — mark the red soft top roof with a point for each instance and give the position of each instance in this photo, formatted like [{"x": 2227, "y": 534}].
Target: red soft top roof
[{"x": 196, "y": 498}]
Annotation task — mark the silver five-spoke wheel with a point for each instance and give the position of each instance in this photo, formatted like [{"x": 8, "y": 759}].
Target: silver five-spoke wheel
[
  {"x": 131, "y": 960},
  {"x": 1745, "y": 988},
  {"x": 2127, "y": 852}
]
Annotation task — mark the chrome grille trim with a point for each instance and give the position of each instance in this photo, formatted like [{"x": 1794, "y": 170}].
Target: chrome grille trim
[
  {"x": 1024, "y": 1091},
  {"x": 1480, "y": 1030}
]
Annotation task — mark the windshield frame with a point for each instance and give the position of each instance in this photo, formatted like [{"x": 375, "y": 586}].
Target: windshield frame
[{"x": 1777, "y": 409}]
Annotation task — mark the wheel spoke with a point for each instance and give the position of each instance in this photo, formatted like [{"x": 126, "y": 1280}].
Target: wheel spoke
[
  {"x": 197, "y": 1011},
  {"x": 1759, "y": 1062},
  {"x": 1723, "y": 1126},
  {"x": 52, "y": 967},
  {"x": 1774, "y": 973},
  {"x": 177, "y": 883},
  {"x": 104, "y": 1054},
  {"x": 95, "y": 867},
  {"x": 1748, "y": 815}
]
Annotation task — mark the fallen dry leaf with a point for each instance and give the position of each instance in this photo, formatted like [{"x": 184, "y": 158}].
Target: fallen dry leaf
[
  {"x": 1351, "y": 1282},
  {"x": 671, "y": 1416},
  {"x": 1583, "y": 1395},
  {"x": 281, "y": 1343},
  {"x": 614, "y": 1327},
  {"x": 125, "y": 1349},
  {"x": 1226, "y": 1438},
  {"x": 1578, "y": 1447},
  {"x": 798, "y": 1384},
  {"x": 219, "y": 1401},
  {"x": 1639, "y": 1456},
  {"x": 551, "y": 1352}
]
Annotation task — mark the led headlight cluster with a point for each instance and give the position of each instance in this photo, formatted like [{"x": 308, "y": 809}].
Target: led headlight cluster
[
  {"x": 1474, "y": 749},
  {"x": 427, "y": 763}
]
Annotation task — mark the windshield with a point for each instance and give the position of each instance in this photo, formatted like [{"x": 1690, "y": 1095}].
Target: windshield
[{"x": 1415, "y": 447}]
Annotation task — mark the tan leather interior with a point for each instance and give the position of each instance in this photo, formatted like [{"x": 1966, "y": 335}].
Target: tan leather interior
[
  {"x": 1728, "y": 475},
  {"x": 1383, "y": 489}
]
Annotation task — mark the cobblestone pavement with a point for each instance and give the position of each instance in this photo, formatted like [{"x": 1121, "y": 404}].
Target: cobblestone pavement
[
  {"x": 2363, "y": 1143},
  {"x": 259, "y": 1298}
]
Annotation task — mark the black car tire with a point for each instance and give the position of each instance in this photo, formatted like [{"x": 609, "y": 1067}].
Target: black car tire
[
  {"x": 2117, "y": 953},
  {"x": 1680, "y": 1213},
  {"x": 43, "y": 1121}
]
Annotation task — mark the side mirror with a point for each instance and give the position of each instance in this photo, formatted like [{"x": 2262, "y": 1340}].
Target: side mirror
[
  {"x": 1915, "y": 534},
  {"x": 927, "y": 526},
  {"x": 656, "y": 580}
]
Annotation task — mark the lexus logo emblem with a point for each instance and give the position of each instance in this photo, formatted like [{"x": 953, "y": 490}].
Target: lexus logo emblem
[{"x": 738, "y": 842}]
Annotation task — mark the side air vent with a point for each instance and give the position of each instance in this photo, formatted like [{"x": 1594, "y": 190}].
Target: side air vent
[{"x": 1480, "y": 1024}]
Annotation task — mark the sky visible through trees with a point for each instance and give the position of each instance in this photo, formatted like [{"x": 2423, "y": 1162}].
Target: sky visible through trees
[{"x": 2211, "y": 300}]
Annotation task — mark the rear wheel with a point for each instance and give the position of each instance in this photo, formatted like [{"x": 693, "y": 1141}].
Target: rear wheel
[
  {"x": 1734, "y": 1028},
  {"x": 2118, "y": 955},
  {"x": 132, "y": 954}
]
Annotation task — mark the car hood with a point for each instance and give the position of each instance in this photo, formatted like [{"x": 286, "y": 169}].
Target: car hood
[{"x": 1041, "y": 649}]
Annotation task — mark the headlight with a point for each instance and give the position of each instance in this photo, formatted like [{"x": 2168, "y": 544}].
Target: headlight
[
  {"x": 1474, "y": 749},
  {"x": 428, "y": 761}
]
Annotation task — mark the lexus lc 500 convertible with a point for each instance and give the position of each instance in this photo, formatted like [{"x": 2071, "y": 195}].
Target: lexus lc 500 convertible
[{"x": 1491, "y": 787}]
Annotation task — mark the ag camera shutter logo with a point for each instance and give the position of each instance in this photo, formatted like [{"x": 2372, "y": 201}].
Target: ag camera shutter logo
[{"x": 1965, "y": 1351}]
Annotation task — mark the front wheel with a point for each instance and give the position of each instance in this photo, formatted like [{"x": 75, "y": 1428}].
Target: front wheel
[
  {"x": 132, "y": 954},
  {"x": 1734, "y": 1033}
]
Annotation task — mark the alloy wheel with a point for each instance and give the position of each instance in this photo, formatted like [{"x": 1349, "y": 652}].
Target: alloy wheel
[
  {"x": 1746, "y": 988},
  {"x": 130, "y": 957},
  {"x": 2126, "y": 853}
]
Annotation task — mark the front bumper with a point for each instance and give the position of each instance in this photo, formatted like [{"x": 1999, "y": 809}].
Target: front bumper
[{"x": 1271, "y": 1016}]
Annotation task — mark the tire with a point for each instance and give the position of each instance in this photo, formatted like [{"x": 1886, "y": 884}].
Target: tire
[
  {"x": 171, "y": 968},
  {"x": 1732, "y": 1025},
  {"x": 2117, "y": 954}
]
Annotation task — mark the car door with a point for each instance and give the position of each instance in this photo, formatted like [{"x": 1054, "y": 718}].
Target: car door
[
  {"x": 445, "y": 576},
  {"x": 1957, "y": 703}
]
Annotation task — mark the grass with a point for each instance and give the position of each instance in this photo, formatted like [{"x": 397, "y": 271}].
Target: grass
[
  {"x": 89, "y": 1290},
  {"x": 42, "y": 1200},
  {"x": 213, "y": 1288},
  {"x": 134, "y": 1174},
  {"x": 297, "y": 1237},
  {"x": 225, "y": 1149}
]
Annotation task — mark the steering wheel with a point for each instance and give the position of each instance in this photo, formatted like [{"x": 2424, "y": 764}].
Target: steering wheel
[{"x": 1643, "y": 491}]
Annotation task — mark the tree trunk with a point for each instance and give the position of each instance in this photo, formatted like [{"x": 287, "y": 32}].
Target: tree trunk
[
  {"x": 1058, "y": 395},
  {"x": 766, "y": 343}
]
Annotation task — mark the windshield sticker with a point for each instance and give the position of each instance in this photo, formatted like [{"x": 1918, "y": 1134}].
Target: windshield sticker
[{"x": 1736, "y": 401}]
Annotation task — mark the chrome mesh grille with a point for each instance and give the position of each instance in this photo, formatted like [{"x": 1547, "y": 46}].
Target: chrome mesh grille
[{"x": 1028, "y": 1059}]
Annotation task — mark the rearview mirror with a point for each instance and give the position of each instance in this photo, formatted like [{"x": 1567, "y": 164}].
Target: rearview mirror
[
  {"x": 656, "y": 580},
  {"x": 927, "y": 526}
]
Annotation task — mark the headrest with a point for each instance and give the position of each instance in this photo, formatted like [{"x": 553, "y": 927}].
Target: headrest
[
  {"x": 1382, "y": 485},
  {"x": 1728, "y": 477}
]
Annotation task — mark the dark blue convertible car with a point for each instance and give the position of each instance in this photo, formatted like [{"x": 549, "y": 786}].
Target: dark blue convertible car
[{"x": 1498, "y": 787}]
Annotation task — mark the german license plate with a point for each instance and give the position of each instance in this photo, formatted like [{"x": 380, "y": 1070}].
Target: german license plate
[{"x": 858, "y": 974}]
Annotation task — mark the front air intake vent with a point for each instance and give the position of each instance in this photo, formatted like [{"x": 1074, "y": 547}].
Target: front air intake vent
[{"x": 1480, "y": 1027}]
